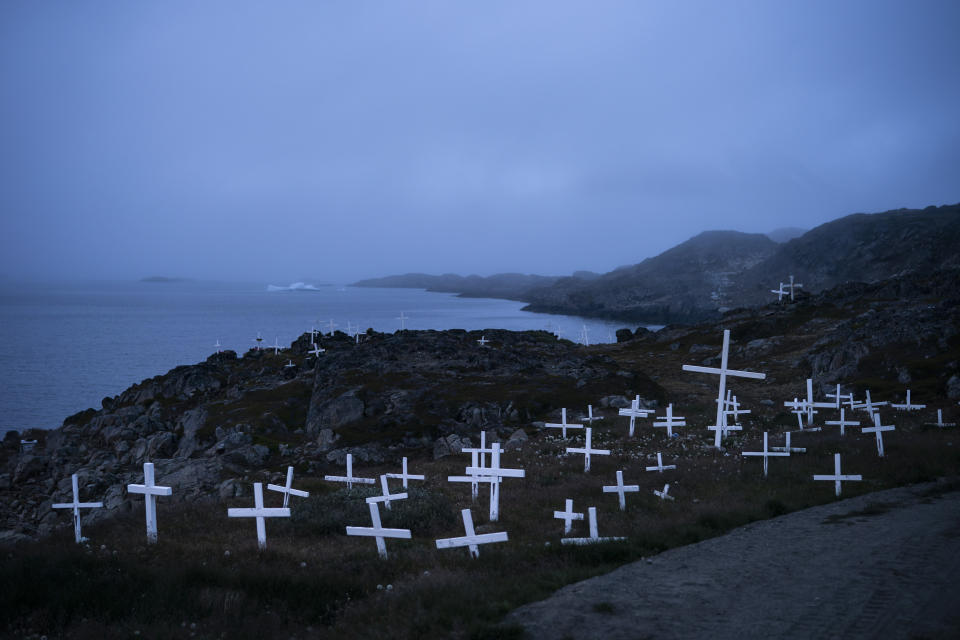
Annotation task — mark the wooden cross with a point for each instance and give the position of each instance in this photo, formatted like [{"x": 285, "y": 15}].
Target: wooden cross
[
  {"x": 483, "y": 341},
  {"x": 665, "y": 494},
  {"x": 837, "y": 477},
  {"x": 494, "y": 474},
  {"x": 635, "y": 412},
  {"x": 622, "y": 489},
  {"x": 780, "y": 292},
  {"x": 316, "y": 351},
  {"x": 840, "y": 398},
  {"x": 869, "y": 406},
  {"x": 288, "y": 490},
  {"x": 670, "y": 421},
  {"x": 349, "y": 478},
  {"x": 766, "y": 453},
  {"x": 594, "y": 535},
  {"x": 276, "y": 345},
  {"x": 471, "y": 540},
  {"x": 940, "y": 423},
  {"x": 723, "y": 372},
  {"x": 218, "y": 345},
  {"x": 403, "y": 319},
  {"x": 289, "y": 365},
  {"x": 150, "y": 492},
  {"x": 587, "y": 450},
  {"x": 660, "y": 466},
  {"x": 313, "y": 335},
  {"x": 258, "y": 340},
  {"x": 563, "y": 423},
  {"x": 786, "y": 447},
  {"x": 792, "y": 286},
  {"x": 590, "y": 417},
  {"x": 842, "y": 422},
  {"x": 259, "y": 512},
  {"x": 568, "y": 515},
  {"x": 584, "y": 336},
  {"x": 404, "y": 476},
  {"x": 878, "y": 429},
  {"x": 76, "y": 505},
  {"x": 331, "y": 325},
  {"x": 908, "y": 406},
  {"x": 387, "y": 496},
  {"x": 478, "y": 458},
  {"x": 377, "y": 531}
]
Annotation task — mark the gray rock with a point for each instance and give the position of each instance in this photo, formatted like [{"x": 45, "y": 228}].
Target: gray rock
[
  {"x": 327, "y": 439},
  {"x": 516, "y": 440},
  {"x": 615, "y": 402},
  {"x": 953, "y": 387}
]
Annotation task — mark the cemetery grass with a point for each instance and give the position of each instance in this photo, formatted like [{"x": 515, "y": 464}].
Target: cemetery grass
[{"x": 206, "y": 578}]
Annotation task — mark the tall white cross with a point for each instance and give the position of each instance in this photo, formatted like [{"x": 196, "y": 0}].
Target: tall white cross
[
  {"x": 568, "y": 515},
  {"x": 621, "y": 489},
  {"x": 288, "y": 490},
  {"x": 594, "y": 535},
  {"x": 793, "y": 286},
  {"x": 403, "y": 319},
  {"x": 316, "y": 351},
  {"x": 840, "y": 398},
  {"x": 780, "y": 292},
  {"x": 478, "y": 458},
  {"x": 331, "y": 325},
  {"x": 563, "y": 423},
  {"x": 878, "y": 429},
  {"x": 377, "y": 531},
  {"x": 76, "y": 505},
  {"x": 869, "y": 405},
  {"x": 471, "y": 539},
  {"x": 786, "y": 446},
  {"x": 587, "y": 450},
  {"x": 483, "y": 341},
  {"x": 837, "y": 477},
  {"x": 670, "y": 421},
  {"x": 665, "y": 494},
  {"x": 404, "y": 476},
  {"x": 150, "y": 492},
  {"x": 723, "y": 372},
  {"x": 908, "y": 406},
  {"x": 218, "y": 345},
  {"x": 258, "y": 340},
  {"x": 660, "y": 466},
  {"x": 635, "y": 412},
  {"x": 842, "y": 422},
  {"x": 940, "y": 423},
  {"x": 589, "y": 418},
  {"x": 766, "y": 453},
  {"x": 494, "y": 474},
  {"x": 259, "y": 512},
  {"x": 276, "y": 345},
  {"x": 386, "y": 497},
  {"x": 584, "y": 336},
  {"x": 349, "y": 478},
  {"x": 313, "y": 334}
]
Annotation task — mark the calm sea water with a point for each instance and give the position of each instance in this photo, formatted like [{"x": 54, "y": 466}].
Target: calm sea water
[{"x": 68, "y": 346}]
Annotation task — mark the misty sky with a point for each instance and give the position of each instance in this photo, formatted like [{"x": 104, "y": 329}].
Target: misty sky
[{"x": 330, "y": 141}]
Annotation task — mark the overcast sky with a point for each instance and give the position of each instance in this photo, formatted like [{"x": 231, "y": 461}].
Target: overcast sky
[{"x": 330, "y": 141}]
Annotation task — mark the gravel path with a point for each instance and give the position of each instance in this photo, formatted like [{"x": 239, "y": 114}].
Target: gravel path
[{"x": 882, "y": 565}]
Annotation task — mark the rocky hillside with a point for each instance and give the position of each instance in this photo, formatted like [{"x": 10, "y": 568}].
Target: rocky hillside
[{"x": 511, "y": 286}]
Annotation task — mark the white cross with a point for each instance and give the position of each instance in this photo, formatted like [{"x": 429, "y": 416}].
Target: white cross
[
  {"x": 584, "y": 337},
  {"x": 908, "y": 406},
  {"x": 276, "y": 346},
  {"x": 590, "y": 417},
  {"x": 289, "y": 365},
  {"x": 494, "y": 474},
  {"x": 665, "y": 494},
  {"x": 837, "y": 477},
  {"x": 288, "y": 490},
  {"x": 869, "y": 406},
  {"x": 878, "y": 429},
  {"x": 377, "y": 531},
  {"x": 622, "y": 489},
  {"x": 218, "y": 345},
  {"x": 792, "y": 287},
  {"x": 940, "y": 423},
  {"x": 258, "y": 339},
  {"x": 563, "y": 423},
  {"x": 660, "y": 466},
  {"x": 766, "y": 453},
  {"x": 150, "y": 492},
  {"x": 723, "y": 372},
  {"x": 483, "y": 341},
  {"x": 840, "y": 398},
  {"x": 594, "y": 536},
  {"x": 76, "y": 505},
  {"x": 786, "y": 447},
  {"x": 670, "y": 421},
  {"x": 635, "y": 412},
  {"x": 404, "y": 475},
  {"x": 313, "y": 335},
  {"x": 478, "y": 458},
  {"x": 316, "y": 351},
  {"x": 587, "y": 450},
  {"x": 568, "y": 515},
  {"x": 842, "y": 422},
  {"x": 349, "y": 328},
  {"x": 387, "y": 496},
  {"x": 403, "y": 319},
  {"x": 349, "y": 478},
  {"x": 259, "y": 512},
  {"x": 471, "y": 540},
  {"x": 331, "y": 325},
  {"x": 780, "y": 292},
  {"x": 732, "y": 407}
]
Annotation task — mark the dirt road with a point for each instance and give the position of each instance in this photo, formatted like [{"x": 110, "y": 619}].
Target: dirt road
[{"x": 882, "y": 565}]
